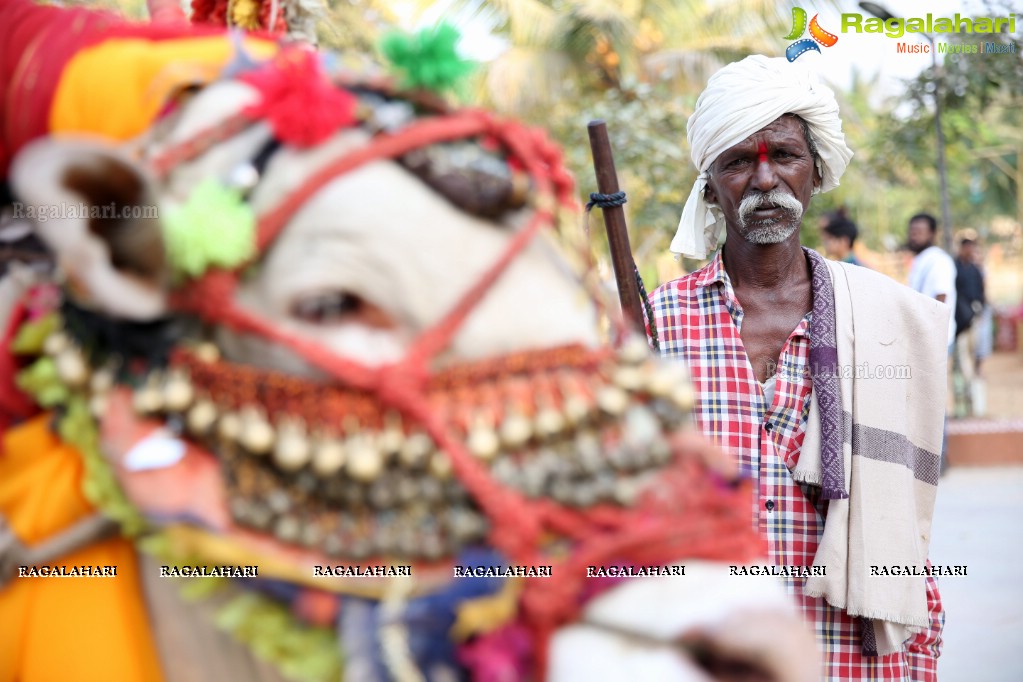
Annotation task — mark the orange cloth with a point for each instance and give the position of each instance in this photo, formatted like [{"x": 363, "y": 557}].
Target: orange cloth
[
  {"x": 117, "y": 87},
  {"x": 56, "y": 629}
]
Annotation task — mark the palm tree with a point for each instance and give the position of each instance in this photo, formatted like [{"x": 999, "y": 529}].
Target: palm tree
[{"x": 560, "y": 48}]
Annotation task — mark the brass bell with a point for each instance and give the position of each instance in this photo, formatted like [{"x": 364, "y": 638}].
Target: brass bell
[
  {"x": 576, "y": 409},
  {"x": 328, "y": 457},
  {"x": 200, "y": 417},
  {"x": 664, "y": 377},
  {"x": 55, "y": 343},
  {"x": 102, "y": 380},
  {"x": 257, "y": 434},
  {"x": 483, "y": 441},
  {"x": 683, "y": 397},
  {"x": 634, "y": 351},
  {"x": 71, "y": 367},
  {"x": 415, "y": 450},
  {"x": 612, "y": 400},
  {"x": 515, "y": 431},
  {"x": 229, "y": 427},
  {"x": 148, "y": 399},
  {"x": 365, "y": 461},
  {"x": 440, "y": 466},
  {"x": 392, "y": 437},
  {"x": 177, "y": 392},
  {"x": 549, "y": 423},
  {"x": 207, "y": 352},
  {"x": 629, "y": 378},
  {"x": 640, "y": 428},
  {"x": 292, "y": 450},
  {"x": 98, "y": 405}
]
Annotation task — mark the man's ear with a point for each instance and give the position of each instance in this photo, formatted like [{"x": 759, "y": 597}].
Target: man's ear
[
  {"x": 709, "y": 195},
  {"x": 96, "y": 210}
]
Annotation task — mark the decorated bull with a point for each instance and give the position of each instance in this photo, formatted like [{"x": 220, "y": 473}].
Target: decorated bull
[{"x": 313, "y": 329}]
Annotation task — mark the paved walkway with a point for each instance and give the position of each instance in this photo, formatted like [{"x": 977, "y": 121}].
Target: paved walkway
[
  {"x": 978, "y": 521},
  {"x": 1004, "y": 375}
]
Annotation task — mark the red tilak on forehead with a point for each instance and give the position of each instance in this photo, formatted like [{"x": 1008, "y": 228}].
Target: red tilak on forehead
[{"x": 762, "y": 151}]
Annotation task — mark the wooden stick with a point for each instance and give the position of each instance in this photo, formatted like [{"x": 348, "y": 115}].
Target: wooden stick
[{"x": 617, "y": 232}]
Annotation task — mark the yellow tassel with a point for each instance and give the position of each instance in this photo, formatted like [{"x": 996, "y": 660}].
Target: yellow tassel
[
  {"x": 486, "y": 614},
  {"x": 245, "y": 13}
]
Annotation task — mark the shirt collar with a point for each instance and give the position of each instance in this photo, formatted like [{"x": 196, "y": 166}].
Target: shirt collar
[{"x": 714, "y": 273}]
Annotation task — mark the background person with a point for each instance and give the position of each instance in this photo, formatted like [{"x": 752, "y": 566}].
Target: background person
[
  {"x": 933, "y": 273},
  {"x": 838, "y": 237},
  {"x": 970, "y": 304}
]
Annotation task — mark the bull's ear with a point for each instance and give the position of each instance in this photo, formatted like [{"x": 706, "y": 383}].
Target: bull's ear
[{"x": 97, "y": 210}]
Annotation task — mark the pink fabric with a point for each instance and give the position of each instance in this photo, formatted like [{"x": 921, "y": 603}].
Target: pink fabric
[{"x": 14, "y": 405}]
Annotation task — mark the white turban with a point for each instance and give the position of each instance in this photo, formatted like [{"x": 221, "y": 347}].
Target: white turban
[{"x": 740, "y": 99}]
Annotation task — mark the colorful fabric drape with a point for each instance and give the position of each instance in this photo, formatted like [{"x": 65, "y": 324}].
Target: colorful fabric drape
[
  {"x": 58, "y": 628},
  {"x": 72, "y": 70}
]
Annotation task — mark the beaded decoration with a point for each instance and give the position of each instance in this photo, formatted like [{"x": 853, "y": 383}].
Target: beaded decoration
[{"x": 321, "y": 465}]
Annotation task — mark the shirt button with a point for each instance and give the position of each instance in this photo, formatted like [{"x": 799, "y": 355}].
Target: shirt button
[
  {"x": 769, "y": 505},
  {"x": 769, "y": 426}
]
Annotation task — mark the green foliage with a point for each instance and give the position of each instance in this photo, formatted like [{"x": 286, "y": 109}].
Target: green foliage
[
  {"x": 301, "y": 652},
  {"x": 78, "y": 429},
  {"x": 558, "y": 48},
  {"x": 646, "y": 126},
  {"x": 981, "y": 97},
  {"x": 353, "y": 27}
]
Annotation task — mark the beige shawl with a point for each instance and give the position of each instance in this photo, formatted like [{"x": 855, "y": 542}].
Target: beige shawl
[{"x": 891, "y": 354}]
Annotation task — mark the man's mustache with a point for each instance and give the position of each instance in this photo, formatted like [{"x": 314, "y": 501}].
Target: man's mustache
[{"x": 776, "y": 198}]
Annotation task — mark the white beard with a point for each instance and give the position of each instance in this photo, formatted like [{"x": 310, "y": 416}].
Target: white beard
[{"x": 772, "y": 231}]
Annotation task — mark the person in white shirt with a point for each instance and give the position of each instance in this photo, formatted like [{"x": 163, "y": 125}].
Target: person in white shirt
[{"x": 933, "y": 272}]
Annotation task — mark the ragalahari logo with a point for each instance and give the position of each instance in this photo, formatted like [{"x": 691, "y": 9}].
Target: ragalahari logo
[{"x": 818, "y": 35}]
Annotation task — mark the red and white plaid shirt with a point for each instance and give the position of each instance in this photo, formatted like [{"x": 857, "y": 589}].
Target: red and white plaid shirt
[{"x": 698, "y": 319}]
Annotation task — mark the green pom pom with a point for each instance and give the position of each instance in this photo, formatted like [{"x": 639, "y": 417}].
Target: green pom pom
[
  {"x": 214, "y": 228},
  {"x": 41, "y": 381},
  {"x": 32, "y": 335},
  {"x": 429, "y": 59}
]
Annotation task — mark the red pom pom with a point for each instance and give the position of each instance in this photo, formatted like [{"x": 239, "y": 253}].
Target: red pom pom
[
  {"x": 299, "y": 102},
  {"x": 202, "y": 10},
  {"x": 265, "y": 12}
]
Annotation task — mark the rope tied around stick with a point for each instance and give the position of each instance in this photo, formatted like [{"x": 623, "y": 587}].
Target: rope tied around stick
[
  {"x": 613, "y": 200},
  {"x": 606, "y": 200}
]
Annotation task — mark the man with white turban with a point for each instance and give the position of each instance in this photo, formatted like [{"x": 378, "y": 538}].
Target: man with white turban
[{"x": 824, "y": 380}]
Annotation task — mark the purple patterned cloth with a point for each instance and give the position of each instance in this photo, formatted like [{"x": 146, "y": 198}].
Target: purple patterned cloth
[{"x": 824, "y": 373}]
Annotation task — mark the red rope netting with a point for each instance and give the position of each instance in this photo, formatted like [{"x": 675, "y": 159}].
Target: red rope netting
[{"x": 686, "y": 515}]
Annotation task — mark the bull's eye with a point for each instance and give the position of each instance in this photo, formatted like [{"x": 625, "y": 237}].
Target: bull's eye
[{"x": 326, "y": 307}]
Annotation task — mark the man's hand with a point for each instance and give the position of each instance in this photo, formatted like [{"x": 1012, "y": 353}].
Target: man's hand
[
  {"x": 756, "y": 646},
  {"x": 695, "y": 445},
  {"x": 13, "y": 553}
]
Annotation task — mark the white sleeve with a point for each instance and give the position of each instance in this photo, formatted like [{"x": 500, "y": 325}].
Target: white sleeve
[{"x": 942, "y": 278}]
